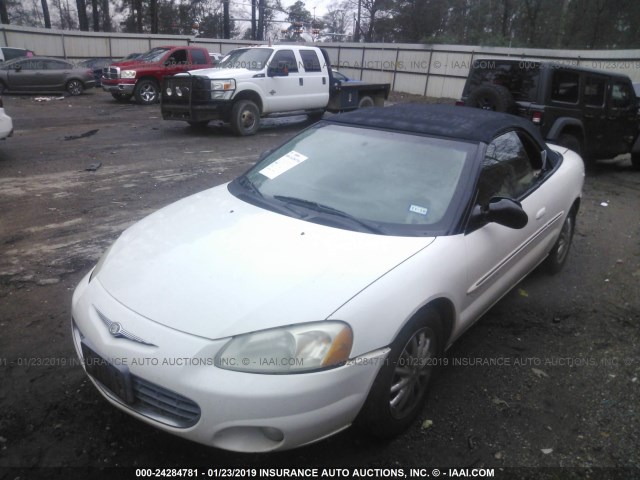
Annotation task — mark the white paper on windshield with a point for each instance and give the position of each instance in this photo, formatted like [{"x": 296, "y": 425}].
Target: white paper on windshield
[
  {"x": 281, "y": 165},
  {"x": 418, "y": 209}
]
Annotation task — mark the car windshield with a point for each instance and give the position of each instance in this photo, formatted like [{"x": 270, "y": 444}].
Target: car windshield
[
  {"x": 249, "y": 58},
  {"x": 389, "y": 182}
]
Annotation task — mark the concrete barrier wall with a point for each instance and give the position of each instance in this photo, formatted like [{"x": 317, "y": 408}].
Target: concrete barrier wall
[{"x": 433, "y": 70}]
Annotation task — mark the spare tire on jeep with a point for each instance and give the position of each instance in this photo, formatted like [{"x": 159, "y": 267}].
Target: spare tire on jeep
[{"x": 492, "y": 97}]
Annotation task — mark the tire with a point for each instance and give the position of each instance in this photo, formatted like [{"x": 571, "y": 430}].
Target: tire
[
  {"x": 121, "y": 97},
  {"x": 366, "y": 102},
  {"x": 146, "y": 92},
  {"x": 391, "y": 407},
  {"x": 492, "y": 97},
  {"x": 74, "y": 87},
  {"x": 560, "y": 251},
  {"x": 245, "y": 118},
  {"x": 635, "y": 160},
  {"x": 3, "y": 89}
]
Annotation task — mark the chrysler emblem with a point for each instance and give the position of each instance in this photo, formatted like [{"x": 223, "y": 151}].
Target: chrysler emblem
[{"x": 115, "y": 328}]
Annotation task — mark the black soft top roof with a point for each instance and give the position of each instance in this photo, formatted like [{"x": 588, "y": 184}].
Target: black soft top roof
[{"x": 437, "y": 120}]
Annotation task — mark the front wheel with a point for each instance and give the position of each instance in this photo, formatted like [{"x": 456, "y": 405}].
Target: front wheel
[
  {"x": 146, "y": 92},
  {"x": 75, "y": 87},
  {"x": 560, "y": 251},
  {"x": 398, "y": 392},
  {"x": 245, "y": 118}
]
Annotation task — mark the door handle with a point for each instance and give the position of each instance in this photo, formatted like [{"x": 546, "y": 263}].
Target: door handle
[
  {"x": 541, "y": 213},
  {"x": 301, "y": 81}
]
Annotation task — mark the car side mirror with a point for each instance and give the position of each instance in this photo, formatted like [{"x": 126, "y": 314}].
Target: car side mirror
[
  {"x": 17, "y": 68},
  {"x": 503, "y": 211}
]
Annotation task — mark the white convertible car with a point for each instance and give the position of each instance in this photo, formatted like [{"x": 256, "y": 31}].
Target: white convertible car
[{"x": 318, "y": 289}]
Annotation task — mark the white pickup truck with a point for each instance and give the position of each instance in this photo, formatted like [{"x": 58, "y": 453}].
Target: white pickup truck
[{"x": 256, "y": 82}]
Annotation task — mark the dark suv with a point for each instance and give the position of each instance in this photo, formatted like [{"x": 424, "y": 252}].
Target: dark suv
[{"x": 592, "y": 112}]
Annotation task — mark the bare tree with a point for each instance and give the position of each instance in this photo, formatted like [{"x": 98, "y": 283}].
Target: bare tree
[
  {"x": 45, "y": 13},
  {"x": 83, "y": 20}
]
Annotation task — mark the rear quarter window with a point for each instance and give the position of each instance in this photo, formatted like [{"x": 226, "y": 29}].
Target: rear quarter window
[{"x": 520, "y": 78}]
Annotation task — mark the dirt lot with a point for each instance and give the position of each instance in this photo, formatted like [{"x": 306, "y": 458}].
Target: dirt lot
[{"x": 548, "y": 378}]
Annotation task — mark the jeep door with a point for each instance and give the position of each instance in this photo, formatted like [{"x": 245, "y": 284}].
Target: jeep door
[
  {"x": 595, "y": 114},
  {"x": 622, "y": 117}
]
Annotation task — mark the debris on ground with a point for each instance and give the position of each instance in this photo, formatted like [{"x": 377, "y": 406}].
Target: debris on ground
[
  {"x": 46, "y": 99},
  {"x": 93, "y": 167},
  {"x": 82, "y": 135},
  {"x": 427, "y": 424},
  {"x": 539, "y": 373}
]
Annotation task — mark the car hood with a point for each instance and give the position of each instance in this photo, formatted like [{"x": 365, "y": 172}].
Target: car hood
[
  {"x": 215, "y": 266},
  {"x": 222, "y": 73}
]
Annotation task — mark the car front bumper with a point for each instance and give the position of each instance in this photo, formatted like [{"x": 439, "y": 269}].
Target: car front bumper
[{"x": 173, "y": 373}]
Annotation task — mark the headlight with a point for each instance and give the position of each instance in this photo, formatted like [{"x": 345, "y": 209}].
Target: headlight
[
  {"x": 222, "y": 89},
  {"x": 293, "y": 349},
  {"x": 128, "y": 74},
  {"x": 98, "y": 266}
]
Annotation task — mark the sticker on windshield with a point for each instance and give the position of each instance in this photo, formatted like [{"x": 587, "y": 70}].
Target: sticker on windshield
[
  {"x": 417, "y": 209},
  {"x": 284, "y": 163}
]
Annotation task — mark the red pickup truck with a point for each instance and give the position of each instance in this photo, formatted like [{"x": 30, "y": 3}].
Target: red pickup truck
[{"x": 141, "y": 78}]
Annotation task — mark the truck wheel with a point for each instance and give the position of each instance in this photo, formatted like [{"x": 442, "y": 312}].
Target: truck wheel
[
  {"x": 492, "y": 97},
  {"x": 146, "y": 92},
  {"x": 245, "y": 118},
  {"x": 121, "y": 97},
  {"x": 366, "y": 102}
]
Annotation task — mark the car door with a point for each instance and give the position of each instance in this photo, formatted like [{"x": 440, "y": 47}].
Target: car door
[
  {"x": 55, "y": 74},
  {"x": 283, "y": 85},
  {"x": 499, "y": 256},
  {"x": 25, "y": 75}
]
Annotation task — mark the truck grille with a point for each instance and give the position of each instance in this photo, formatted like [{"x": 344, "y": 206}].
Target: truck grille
[
  {"x": 111, "y": 72},
  {"x": 186, "y": 90}
]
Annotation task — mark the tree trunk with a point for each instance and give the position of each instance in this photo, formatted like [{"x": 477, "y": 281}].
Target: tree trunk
[
  {"x": 4, "y": 15},
  {"x": 96, "y": 15},
  {"x": 45, "y": 14},
  {"x": 106, "y": 16},
  {"x": 153, "y": 11},
  {"x": 83, "y": 20}
]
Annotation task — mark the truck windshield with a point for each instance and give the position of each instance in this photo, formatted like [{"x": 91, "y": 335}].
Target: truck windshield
[
  {"x": 154, "y": 55},
  {"x": 249, "y": 58}
]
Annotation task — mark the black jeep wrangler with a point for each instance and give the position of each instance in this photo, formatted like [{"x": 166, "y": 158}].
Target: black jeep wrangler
[{"x": 592, "y": 112}]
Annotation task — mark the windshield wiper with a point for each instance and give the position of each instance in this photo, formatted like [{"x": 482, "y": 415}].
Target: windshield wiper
[
  {"x": 319, "y": 207},
  {"x": 249, "y": 185}
]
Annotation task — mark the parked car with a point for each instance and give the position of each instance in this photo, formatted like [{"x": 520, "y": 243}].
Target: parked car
[
  {"x": 593, "y": 112},
  {"x": 9, "y": 53},
  {"x": 6, "y": 123},
  {"x": 43, "y": 74},
  {"x": 321, "y": 287},
  {"x": 96, "y": 65}
]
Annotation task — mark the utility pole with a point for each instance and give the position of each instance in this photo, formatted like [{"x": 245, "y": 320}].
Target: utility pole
[
  {"x": 356, "y": 35},
  {"x": 260, "y": 19},
  {"x": 226, "y": 20}
]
